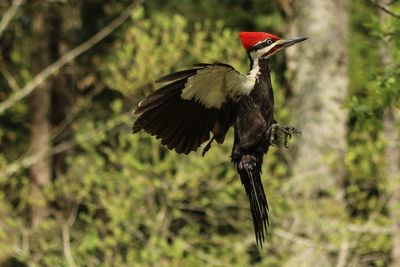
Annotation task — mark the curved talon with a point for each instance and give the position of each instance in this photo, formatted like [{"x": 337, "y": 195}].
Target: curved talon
[
  {"x": 275, "y": 131},
  {"x": 287, "y": 138}
]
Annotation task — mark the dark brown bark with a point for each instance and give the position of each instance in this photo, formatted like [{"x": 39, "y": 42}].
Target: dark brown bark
[
  {"x": 40, "y": 101},
  {"x": 63, "y": 93}
]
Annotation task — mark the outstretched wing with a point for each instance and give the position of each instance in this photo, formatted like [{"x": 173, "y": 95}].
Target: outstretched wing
[{"x": 194, "y": 103}]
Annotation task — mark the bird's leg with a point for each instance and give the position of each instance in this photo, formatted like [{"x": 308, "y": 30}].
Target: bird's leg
[
  {"x": 275, "y": 131},
  {"x": 271, "y": 132}
]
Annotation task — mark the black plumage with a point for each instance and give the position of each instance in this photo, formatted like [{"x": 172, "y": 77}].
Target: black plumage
[
  {"x": 184, "y": 125},
  {"x": 254, "y": 118},
  {"x": 181, "y": 124},
  {"x": 209, "y": 99}
]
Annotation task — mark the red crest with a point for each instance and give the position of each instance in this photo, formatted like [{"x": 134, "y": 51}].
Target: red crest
[{"x": 251, "y": 38}]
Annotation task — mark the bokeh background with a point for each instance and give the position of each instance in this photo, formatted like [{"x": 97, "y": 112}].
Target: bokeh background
[{"x": 78, "y": 189}]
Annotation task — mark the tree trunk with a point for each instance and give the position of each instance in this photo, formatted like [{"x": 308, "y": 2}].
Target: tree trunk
[
  {"x": 391, "y": 120},
  {"x": 320, "y": 82},
  {"x": 320, "y": 87},
  {"x": 391, "y": 132},
  {"x": 40, "y": 101},
  {"x": 63, "y": 94}
]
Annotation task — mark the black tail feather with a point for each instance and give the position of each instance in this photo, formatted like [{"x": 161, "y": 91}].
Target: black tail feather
[{"x": 249, "y": 169}]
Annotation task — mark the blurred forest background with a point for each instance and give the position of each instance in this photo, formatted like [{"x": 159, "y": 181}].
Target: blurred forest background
[{"x": 78, "y": 189}]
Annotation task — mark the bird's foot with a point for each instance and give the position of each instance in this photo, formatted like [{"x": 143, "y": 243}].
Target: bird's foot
[{"x": 276, "y": 131}]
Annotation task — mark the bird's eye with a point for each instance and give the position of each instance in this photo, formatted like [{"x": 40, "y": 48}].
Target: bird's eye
[{"x": 269, "y": 41}]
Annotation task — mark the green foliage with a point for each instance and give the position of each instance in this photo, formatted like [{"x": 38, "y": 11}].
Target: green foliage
[{"x": 124, "y": 200}]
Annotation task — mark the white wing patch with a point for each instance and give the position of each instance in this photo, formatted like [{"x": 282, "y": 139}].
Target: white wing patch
[{"x": 213, "y": 85}]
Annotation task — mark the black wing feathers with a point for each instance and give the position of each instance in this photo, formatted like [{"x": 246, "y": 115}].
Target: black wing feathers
[
  {"x": 159, "y": 97},
  {"x": 181, "y": 124}
]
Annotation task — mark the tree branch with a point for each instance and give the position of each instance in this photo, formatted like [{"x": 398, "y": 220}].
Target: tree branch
[
  {"x": 67, "y": 245},
  {"x": 9, "y": 15},
  {"x": 384, "y": 9},
  {"x": 74, "y": 112},
  {"x": 12, "y": 82},
  {"x": 69, "y": 56},
  {"x": 66, "y": 236},
  {"x": 343, "y": 253},
  {"x": 304, "y": 241},
  {"x": 369, "y": 229}
]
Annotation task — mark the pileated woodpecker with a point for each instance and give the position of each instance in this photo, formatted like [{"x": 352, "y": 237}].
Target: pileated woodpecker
[{"x": 212, "y": 98}]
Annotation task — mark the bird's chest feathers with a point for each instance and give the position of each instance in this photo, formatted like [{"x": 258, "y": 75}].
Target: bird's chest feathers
[
  {"x": 262, "y": 93},
  {"x": 255, "y": 72}
]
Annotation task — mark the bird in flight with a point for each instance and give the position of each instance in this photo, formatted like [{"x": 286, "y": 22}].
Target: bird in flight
[{"x": 210, "y": 98}]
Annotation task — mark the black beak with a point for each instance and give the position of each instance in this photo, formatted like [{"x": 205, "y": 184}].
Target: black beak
[{"x": 292, "y": 41}]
